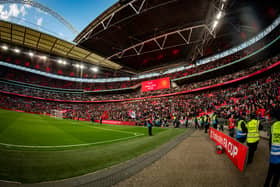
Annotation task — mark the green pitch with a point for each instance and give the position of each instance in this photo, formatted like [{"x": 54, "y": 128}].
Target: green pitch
[{"x": 36, "y": 148}]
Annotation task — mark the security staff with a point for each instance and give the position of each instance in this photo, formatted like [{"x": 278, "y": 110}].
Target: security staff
[
  {"x": 274, "y": 164},
  {"x": 196, "y": 122},
  {"x": 174, "y": 121},
  {"x": 150, "y": 126},
  {"x": 201, "y": 121},
  {"x": 206, "y": 123},
  {"x": 253, "y": 136},
  {"x": 186, "y": 121},
  {"x": 165, "y": 122},
  {"x": 214, "y": 120},
  {"x": 241, "y": 130}
]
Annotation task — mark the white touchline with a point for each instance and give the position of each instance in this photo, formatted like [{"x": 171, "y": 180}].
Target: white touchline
[
  {"x": 108, "y": 129},
  {"x": 65, "y": 146},
  {"x": 126, "y": 132}
]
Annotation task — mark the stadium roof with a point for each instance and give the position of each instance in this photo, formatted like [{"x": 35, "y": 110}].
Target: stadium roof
[
  {"x": 142, "y": 35},
  {"x": 36, "y": 40}
]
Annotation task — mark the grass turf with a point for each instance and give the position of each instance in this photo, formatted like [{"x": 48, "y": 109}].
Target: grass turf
[{"x": 74, "y": 148}]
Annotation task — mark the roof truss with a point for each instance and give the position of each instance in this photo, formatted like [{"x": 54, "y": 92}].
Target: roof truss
[
  {"x": 106, "y": 21},
  {"x": 29, "y": 38},
  {"x": 160, "y": 41}
]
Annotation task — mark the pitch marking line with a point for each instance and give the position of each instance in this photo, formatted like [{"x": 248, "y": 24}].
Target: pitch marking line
[
  {"x": 78, "y": 145},
  {"x": 114, "y": 130},
  {"x": 65, "y": 146}
]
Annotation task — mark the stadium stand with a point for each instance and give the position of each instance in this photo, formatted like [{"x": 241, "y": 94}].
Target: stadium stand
[
  {"x": 210, "y": 100},
  {"x": 218, "y": 57},
  {"x": 32, "y": 90},
  {"x": 51, "y": 82}
]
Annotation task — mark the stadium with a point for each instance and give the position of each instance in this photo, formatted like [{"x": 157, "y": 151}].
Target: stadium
[{"x": 139, "y": 93}]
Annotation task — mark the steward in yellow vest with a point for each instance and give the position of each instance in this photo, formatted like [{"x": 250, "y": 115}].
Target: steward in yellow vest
[
  {"x": 214, "y": 120},
  {"x": 274, "y": 165},
  {"x": 241, "y": 130},
  {"x": 253, "y": 137},
  {"x": 275, "y": 143}
]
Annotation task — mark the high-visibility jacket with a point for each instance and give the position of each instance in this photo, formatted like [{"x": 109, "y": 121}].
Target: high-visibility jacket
[
  {"x": 253, "y": 131},
  {"x": 214, "y": 119},
  {"x": 275, "y": 143},
  {"x": 205, "y": 119},
  {"x": 239, "y": 133},
  {"x": 201, "y": 119}
]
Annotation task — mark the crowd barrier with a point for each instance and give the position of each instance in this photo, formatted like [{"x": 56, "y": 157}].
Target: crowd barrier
[{"x": 236, "y": 151}]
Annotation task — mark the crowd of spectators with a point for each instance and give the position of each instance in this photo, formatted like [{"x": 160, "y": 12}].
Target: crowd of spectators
[
  {"x": 83, "y": 96},
  {"x": 21, "y": 76},
  {"x": 259, "y": 94},
  {"x": 35, "y": 79}
]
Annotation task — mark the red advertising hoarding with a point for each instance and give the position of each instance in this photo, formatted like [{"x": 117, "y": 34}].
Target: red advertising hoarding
[
  {"x": 236, "y": 151},
  {"x": 156, "y": 84},
  {"x": 114, "y": 122}
]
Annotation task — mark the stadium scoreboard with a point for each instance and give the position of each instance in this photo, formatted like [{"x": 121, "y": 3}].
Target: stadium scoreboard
[{"x": 156, "y": 84}]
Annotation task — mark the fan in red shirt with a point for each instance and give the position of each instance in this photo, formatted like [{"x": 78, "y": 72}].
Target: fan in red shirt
[{"x": 231, "y": 126}]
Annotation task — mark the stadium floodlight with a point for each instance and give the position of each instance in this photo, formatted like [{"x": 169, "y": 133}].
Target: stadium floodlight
[
  {"x": 94, "y": 69},
  {"x": 16, "y": 50},
  {"x": 5, "y": 47},
  {"x": 215, "y": 24},
  {"x": 43, "y": 57},
  {"x": 31, "y": 54},
  {"x": 219, "y": 15},
  {"x": 222, "y": 7},
  {"x": 62, "y": 62}
]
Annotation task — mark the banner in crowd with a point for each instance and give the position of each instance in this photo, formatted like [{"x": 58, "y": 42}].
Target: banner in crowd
[
  {"x": 236, "y": 151},
  {"x": 156, "y": 84}
]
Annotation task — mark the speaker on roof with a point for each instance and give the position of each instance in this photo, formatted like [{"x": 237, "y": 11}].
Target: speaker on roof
[{"x": 123, "y": 2}]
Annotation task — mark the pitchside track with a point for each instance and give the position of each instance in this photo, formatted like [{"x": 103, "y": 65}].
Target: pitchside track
[{"x": 36, "y": 148}]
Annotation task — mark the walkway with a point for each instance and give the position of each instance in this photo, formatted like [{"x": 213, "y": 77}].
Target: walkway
[{"x": 194, "y": 162}]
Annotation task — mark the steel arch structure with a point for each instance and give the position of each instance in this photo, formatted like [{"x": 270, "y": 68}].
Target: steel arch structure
[{"x": 46, "y": 9}]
